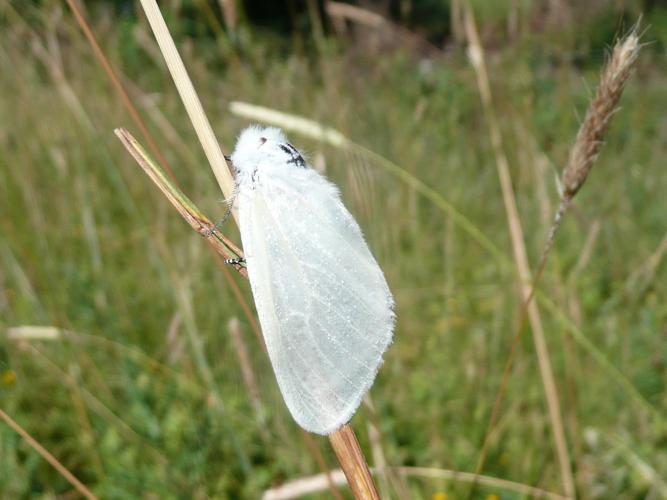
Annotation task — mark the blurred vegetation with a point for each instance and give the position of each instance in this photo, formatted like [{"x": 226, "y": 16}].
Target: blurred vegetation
[{"x": 88, "y": 245}]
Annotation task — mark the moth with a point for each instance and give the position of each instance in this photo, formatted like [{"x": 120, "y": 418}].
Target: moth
[{"x": 326, "y": 311}]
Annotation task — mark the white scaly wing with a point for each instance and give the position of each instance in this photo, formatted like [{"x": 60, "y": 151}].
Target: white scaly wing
[{"x": 324, "y": 305}]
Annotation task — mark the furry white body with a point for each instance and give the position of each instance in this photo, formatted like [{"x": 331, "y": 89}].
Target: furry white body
[{"x": 323, "y": 303}]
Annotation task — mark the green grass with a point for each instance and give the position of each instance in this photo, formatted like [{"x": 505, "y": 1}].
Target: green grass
[{"x": 88, "y": 244}]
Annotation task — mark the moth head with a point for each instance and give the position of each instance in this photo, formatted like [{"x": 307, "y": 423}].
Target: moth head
[{"x": 264, "y": 145}]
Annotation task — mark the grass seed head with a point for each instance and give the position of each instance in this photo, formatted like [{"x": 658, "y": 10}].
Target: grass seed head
[{"x": 600, "y": 111}]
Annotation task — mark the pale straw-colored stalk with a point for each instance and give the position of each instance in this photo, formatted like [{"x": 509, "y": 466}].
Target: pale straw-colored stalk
[
  {"x": 584, "y": 152},
  {"x": 118, "y": 85},
  {"x": 46, "y": 455},
  {"x": 170, "y": 133},
  {"x": 190, "y": 99},
  {"x": 476, "y": 53},
  {"x": 327, "y": 135},
  {"x": 339, "y": 12},
  {"x": 248, "y": 375},
  {"x": 298, "y": 488},
  {"x": 229, "y": 13}
]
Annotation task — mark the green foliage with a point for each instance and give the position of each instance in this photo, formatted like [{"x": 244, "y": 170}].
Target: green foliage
[{"x": 89, "y": 246}]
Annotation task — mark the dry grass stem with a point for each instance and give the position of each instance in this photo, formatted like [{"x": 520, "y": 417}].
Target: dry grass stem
[
  {"x": 358, "y": 475},
  {"x": 356, "y": 14},
  {"x": 386, "y": 475},
  {"x": 247, "y": 372},
  {"x": 87, "y": 437},
  {"x": 294, "y": 123},
  {"x": 118, "y": 85},
  {"x": 375, "y": 442},
  {"x": 309, "y": 485},
  {"x": 339, "y": 12},
  {"x": 29, "y": 332},
  {"x": 327, "y": 473},
  {"x": 229, "y": 13},
  {"x": 238, "y": 294},
  {"x": 190, "y": 99},
  {"x": 193, "y": 216},
  {"x": 44, "y": 453},
  {"x": 317, "y": 131},
  {"x": 317, "y": 483},
  {"x": 476, "y": 53},
  {"x": 587, "y": 146},
  {"x": 164, "y": 126}
]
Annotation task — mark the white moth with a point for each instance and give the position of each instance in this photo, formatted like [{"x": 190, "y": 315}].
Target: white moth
[{"x": 324, "y": 305}]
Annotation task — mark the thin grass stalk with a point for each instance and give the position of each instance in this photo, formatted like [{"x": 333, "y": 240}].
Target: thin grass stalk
[
  {"x": 375, "y": 442},
  {"x": 347, "y": 449},
  {"x": 333, "y": 137},
  {"x": 87, "y": 438},
  {"x": 190, "y": 99},
  {"x": 379, "y": 460},
  {"x": 387, "y": 475},
  {"x": 456, "y": 23},
  {"x": 102, "y": 410},
  {"x": 25, "y": 333},
  {"x": 211, "y": 18},
  {"x": 319, "y": 458},
  {"x": 298, "y": 488},
  {"x": 229, "y": 14},
  {"x": 536, "y": 160},
  {"x": 188, "y": 210},
  {"x": 120, "y": 89},
  {"x": 136, "y": 117},
  {"x": 241, "y": 300},
  {"x": 341, "y": 11},
  {"x": 641, "y": 278},
  {"x": 588, "y": 143},
  {"x": 183, "y": 298},
  {"x": 247, "y": 373},
  {"x": 44, "y": 453},
  {"x": 521, "y": 261}
]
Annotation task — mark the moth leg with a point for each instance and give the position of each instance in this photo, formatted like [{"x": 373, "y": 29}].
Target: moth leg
[
  {"x": 235, "y": 262},
  {"x": 218, "y": 225}
]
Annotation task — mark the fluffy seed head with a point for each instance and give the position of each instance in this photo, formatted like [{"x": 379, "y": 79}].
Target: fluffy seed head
[{"x": 598, "y": 116}]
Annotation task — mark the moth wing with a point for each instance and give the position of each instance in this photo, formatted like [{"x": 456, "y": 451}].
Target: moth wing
[{"x": 323, "y": 302}]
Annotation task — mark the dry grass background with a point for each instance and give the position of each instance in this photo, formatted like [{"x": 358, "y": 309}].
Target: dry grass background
[{"x": 141, "y": 389}]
